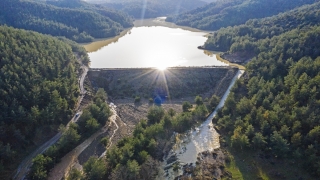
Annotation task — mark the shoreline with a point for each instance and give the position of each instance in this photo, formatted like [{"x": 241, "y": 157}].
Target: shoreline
[
  {"x": 160, "y": 21},
  {"x": 99, "y": 43},
  {"x": 220, "y": 58}
]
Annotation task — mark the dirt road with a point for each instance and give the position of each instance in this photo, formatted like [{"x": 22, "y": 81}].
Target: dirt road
[
  {"x": 25, "y": 165},
  {"x": 63, "y": 167}
]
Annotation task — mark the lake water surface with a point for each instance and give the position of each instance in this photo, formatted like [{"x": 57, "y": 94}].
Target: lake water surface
[{"x": 151, "y": 46}]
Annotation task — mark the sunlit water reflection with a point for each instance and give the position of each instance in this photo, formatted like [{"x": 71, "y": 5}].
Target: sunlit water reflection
[
  {"x": 154, "y": 46},
  {"x": 197, "y": 140}
]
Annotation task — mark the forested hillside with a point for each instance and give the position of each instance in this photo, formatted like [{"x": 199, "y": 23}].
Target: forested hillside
[
  {"x": 153, "y": 8},
  {"x": 225, "y": 13},
  {"x": 94, "y": 116},
  {"x": 244, "y": 37},
  {"x": 275, "y": 107},
  {"x": 80, "y": 22},
  {"x": 38, "y": 90}
]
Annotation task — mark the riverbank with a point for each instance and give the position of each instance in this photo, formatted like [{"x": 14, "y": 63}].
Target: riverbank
[
  {"x": 209, "y": 165},
  {"x": 229, "y": 163},
  {"x": 203, "y": 138}
]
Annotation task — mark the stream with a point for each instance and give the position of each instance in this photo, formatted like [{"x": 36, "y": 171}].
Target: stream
[
  {"x": 197, "y": 140},
  {"x": 113, "y": 119}
]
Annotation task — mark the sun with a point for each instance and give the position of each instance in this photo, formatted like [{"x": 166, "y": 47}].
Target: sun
[{"x": 161, "y": 67}]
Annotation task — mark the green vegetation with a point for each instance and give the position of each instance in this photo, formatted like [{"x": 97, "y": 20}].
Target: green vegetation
[
  {"x": 274, "y": 109},
  {"x": 213, "y": 102},
  {"x": 38, "y": 90},
  {"x": 186, "y": 106},
  {"x": 233, "y": 12},
  {"x": 74, "y": 20},
  {"x": 75, "y": 175},
  {"x": 38, "y": 172},
  {"x": 253, "y": 164},
  {"x": 246, "y": 37},
  {"x": 198, "y": 100},
  {"x": 137, "y": 157},
  {"x": 93, "y": 117},
  {"x": 153, "y": 8},
  {"x": 94, "y": 169},
  {"x": 104, "y": 141},
  {"x": 137, "y": 99}
]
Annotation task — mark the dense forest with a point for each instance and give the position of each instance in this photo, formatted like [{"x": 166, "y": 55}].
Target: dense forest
[
  {"x": 73, "y": 19},
  {"x": 38, "y": 89},
  {"x": 94, "y": 116},
  {"x": 224, "y": 13},
  {"x": 153, "y": 8},
  {"x": 274, "y": 108},
  {"x": 245, "y": 36}
]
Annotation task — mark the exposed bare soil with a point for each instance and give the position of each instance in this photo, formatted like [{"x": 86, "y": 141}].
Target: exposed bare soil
[
  {"x": 173, "y": 86},
  {"x": 238, "y": 57},
  {"x": 209, "y": 165}
]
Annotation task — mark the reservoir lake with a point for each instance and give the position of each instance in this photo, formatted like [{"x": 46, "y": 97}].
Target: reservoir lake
[{"x": 152, "y": 43}]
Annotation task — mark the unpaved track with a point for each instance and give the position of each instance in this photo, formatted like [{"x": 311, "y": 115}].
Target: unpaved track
[
  {"x": 25, "y": 165},
  {"x": 62, "y": 168}
]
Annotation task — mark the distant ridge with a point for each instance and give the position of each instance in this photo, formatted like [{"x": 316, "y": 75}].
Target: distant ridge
[{"x": 81, "y": 22}]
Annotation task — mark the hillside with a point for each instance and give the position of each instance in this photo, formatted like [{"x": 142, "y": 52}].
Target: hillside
[
  {"x": 78, "y": 23},
  {"x": 245, "y": 37},
  {"x": 38, "y": 91},
  {"x": 233, "y": 12},
  {"x": 153, "y": 8},
  {"x": 273, "y": 111}
]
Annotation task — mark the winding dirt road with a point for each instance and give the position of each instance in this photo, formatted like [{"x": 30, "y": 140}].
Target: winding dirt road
[
  {"x": 25, "y": 165},
  {"x": 62, "y": 168}
]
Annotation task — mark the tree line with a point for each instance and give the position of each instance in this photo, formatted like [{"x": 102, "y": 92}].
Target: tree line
[
  {"x": 153, "y": 8},
  {"x": 275, "y": 107},
  {"x": 78, "y": 23},
  {"x": 38, "y": 90},
  {"x": 224, "y": 13},
  {"x": 246, "y": 37},
  {"x": 94, "y": 116}
]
